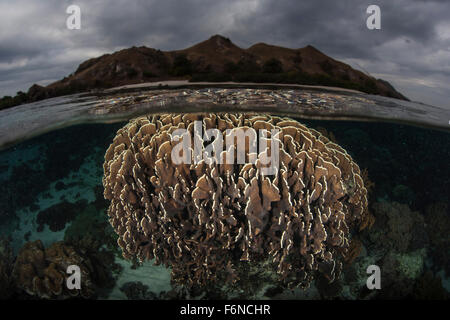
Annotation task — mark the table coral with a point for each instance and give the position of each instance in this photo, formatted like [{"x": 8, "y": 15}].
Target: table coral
[{"x": 206, "y": 220}]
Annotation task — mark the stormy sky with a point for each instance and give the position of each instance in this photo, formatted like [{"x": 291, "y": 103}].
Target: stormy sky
[{"x": 412, "y": 49}]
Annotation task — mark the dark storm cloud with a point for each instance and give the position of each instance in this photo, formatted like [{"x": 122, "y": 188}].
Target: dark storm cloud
[
  {"x": 12, "y": 51},
  {"x": 412, "y": 50}
]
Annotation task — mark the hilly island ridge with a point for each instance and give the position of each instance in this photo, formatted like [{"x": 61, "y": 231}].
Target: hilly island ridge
[{"x": 217, "y": 59}]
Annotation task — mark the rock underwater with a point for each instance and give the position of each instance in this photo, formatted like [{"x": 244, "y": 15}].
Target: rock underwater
[
  {"x": 42, "y": 272},
  {"x": 208, "y": 220}
]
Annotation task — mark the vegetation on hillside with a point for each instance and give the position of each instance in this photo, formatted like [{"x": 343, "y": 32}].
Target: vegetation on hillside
[
  {"x": 147, "y": 65},
  {"x": 272, "y": 72}
]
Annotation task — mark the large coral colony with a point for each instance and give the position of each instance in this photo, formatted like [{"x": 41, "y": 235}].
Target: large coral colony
[{"x": 211, "y": 222}]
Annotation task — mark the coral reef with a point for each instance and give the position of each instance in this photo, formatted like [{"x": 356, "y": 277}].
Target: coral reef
[
  {"x": 429, "y": 287},
  {"x": 103, "y": 269},
  {"x": 93, "y": 224},
  {"x": 353, "y": 251},
  {"x": 58, "y": 215},
  {"x": 399, "y": 273},
  {"x": 42, "y": 273},
  {"x": 37, "y": 163},
  {"x": 437, "y": 216},
  {"x": 93, "y": 237},
  {"x": 12, "y": 195},
  {"x": 6, "y": 263},
  {"x": 369, "y": 184},
  {"x": 208, "y": 220},
  {"x": 399, "y": 243},
  {"x": 394, "y": 225},
  {"x": 399, "y": 240},
  {"x": 137, "y": 291},
  {"x": 328, "y": 290}
]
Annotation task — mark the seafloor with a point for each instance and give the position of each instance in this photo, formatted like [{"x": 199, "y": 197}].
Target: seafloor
[{"x": 51, "y": 190}]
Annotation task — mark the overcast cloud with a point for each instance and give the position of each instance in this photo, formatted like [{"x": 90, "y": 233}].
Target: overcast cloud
[{"x": 412, "y": 49}]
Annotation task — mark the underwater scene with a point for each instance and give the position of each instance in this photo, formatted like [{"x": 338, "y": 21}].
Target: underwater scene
[
  {"x": 216, "y": 159},
  {"x": 354, "y": 209}
]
